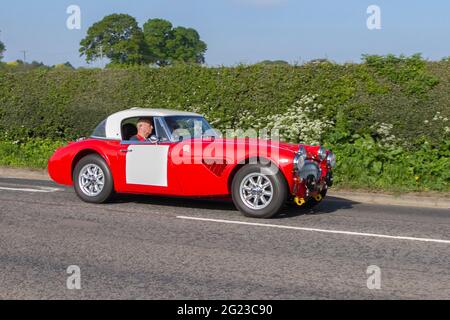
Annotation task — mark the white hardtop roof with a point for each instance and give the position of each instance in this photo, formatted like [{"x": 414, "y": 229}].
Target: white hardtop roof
[
  {"x": 114, "y": 121},
  {"x": 146, "y": 112}
]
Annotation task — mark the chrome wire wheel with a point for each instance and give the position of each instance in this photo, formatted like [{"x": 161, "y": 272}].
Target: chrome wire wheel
[
  {"x": 91, "y": 180},
  {"x": 256, "y": 191}
]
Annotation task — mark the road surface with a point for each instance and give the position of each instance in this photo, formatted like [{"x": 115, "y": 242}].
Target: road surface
[{"x": 160, "y": 248}]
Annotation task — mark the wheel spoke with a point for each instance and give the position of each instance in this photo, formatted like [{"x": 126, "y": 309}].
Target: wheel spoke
[
  {"x": 91, "y": 180},
  {"x": 259, "y": 180},
  {"x": 249, "y": 197},
  {"x": 256, "y": 191}
]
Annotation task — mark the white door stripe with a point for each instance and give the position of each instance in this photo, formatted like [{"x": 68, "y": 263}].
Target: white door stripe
[{"x": 317, "y": 230}]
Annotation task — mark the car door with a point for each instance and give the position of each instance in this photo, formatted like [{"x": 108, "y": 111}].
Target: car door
[{"x": 147, "y": 167}]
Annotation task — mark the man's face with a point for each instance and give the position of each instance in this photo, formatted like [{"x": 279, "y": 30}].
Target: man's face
[{"x": 145, "y": 128}]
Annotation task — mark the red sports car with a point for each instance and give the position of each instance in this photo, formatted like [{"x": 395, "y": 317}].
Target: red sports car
[{"x": 184, "y": 156}]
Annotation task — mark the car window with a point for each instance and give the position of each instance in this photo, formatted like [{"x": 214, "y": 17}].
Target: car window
[
  {"x": 129, "y": 129},
  {"x": 160, "y": 131},
  {"x": 187, "y": 127},
  {"x": 100, "y": 130}
]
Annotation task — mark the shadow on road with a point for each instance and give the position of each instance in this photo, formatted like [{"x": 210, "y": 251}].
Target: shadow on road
[
  {"x": 195, "y": 203},
  {"x": 329, "y": 205}
]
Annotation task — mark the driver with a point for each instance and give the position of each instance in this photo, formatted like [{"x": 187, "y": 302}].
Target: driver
[{"x": 145, "y": 129}]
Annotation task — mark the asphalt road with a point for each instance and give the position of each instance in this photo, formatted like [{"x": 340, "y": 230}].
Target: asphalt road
[{"x": 150, "y": 248}]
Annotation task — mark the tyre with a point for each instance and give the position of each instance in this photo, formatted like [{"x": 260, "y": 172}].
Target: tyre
[
  {"x": 259, "y": 191},
  {"x": 92, "y": 179}
]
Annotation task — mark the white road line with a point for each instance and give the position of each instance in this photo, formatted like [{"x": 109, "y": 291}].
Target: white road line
[
  {"x": 316, "y": 230},
  {"x": 42, "y": 189}
]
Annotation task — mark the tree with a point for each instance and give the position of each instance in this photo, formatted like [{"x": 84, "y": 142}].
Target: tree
[
  {"x": 20, "y": 66},
  {"x": 186, "y": 46},
  {"x": 2, "y": 49},
  {"x": 157, "y": 33},
  {"x": 66, "y": 65},
  {"x": 274, "y": 62},
  {"x": 168, "y": 45},
  {"x": 117, "y": 37}
]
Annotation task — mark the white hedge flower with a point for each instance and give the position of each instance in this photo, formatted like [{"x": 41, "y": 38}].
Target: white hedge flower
[
  {"x": 303, "y": 122},
  {"x": 387, "y": 140}
]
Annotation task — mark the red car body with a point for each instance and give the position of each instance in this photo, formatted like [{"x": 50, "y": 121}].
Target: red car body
[
  {"x": 202, "y": 179},
  {"x": 191, "y": 167}
]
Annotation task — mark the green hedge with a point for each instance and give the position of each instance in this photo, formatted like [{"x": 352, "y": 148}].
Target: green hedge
[
  {"x": 402, "y": 104},
  {"x": 66, "y": 104}
]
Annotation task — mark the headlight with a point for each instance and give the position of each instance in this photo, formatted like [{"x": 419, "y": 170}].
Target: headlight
[
  {"x": 302, "y": 151},
  {"x": 299, "y": 159},
  {"x": 322, "y": 153},
  {"x": 331, "y": 160}
]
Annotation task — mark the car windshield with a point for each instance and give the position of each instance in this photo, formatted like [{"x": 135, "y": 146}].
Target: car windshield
[{"x": 188, "y": 127}]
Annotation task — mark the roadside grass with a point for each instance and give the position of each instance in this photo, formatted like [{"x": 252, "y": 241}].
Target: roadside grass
[
  {"x": 366, "y": 165},
  {"x": 28, "y": 154}
]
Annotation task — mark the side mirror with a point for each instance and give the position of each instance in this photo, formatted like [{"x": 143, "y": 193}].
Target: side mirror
[{"x": 154, "y": 139}]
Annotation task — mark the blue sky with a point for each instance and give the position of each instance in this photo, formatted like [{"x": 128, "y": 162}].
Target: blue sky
[{"x": 240, "y": 31}]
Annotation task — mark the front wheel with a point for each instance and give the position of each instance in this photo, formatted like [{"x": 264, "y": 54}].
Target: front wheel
[
  {"x": 92, "y": 179},
  {"x": 259, "y": 191}
]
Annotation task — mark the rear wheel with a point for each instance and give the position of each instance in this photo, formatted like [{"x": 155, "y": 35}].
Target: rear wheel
[
  {"x": 259, "y": 191},
  {"x": 92, "y": 179}
]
